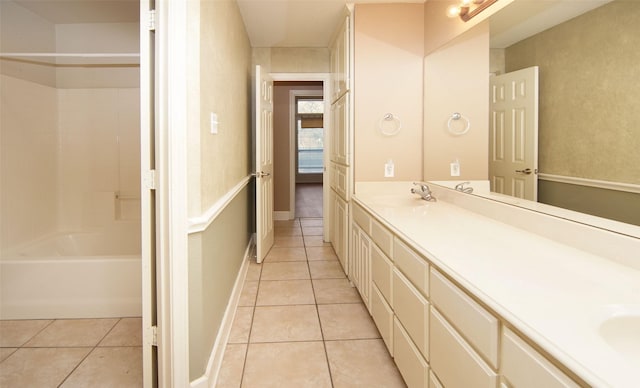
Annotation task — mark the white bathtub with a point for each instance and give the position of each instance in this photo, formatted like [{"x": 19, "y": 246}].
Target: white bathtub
[{"x": 74, "y": 275}]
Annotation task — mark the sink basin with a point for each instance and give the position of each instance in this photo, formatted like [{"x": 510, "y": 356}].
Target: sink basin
[{"x": 622, "y": 333}]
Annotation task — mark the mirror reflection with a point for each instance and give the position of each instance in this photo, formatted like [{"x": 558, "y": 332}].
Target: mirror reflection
[{"x": 588, "y": 121}]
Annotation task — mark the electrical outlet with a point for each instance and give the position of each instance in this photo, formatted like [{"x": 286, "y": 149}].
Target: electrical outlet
[
  {"x": 455, "y": 168},
  {"x": 389, "y": 169}
]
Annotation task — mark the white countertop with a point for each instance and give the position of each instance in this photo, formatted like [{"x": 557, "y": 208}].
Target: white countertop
[{"x": 556, "y": 294}]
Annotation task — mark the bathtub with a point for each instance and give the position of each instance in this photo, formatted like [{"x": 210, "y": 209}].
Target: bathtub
[{"x": 95, "y": 274}]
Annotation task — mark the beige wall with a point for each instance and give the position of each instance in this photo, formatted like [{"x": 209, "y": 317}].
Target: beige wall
[
  {"x": 281, "y": 140},
  {"x": 389, "y": 51},
  {"x": 219, "y": 80},
  {"x": 456, "y": 80},
  {"x": 589, "y": 114},
  {"x": 225, "y": 81}
]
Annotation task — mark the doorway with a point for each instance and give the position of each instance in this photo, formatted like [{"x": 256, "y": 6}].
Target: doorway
[{"x": 289, "y": 170}]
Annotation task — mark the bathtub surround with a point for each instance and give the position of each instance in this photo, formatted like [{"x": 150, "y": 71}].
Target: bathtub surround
[{"x": 70, "y": 167}]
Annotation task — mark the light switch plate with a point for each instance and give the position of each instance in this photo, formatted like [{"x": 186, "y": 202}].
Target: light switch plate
[{"x": 214, "y": 123}]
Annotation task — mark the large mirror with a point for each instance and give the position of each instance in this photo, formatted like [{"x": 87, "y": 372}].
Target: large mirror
[{"x": 588, "y": 58}]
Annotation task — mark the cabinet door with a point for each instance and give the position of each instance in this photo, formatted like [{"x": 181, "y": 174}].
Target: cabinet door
[
  {"x": 382, "y": 315},
  {"x": 340, "y": 52},
  {"x": 365, "y": 269},
  {"x": 340, "y": 132},
  {"x": 360, "y": 259},
  {"x": 340, "y": 222}
]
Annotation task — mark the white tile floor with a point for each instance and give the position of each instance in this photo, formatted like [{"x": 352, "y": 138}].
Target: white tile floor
[
  {"x": 301, "y": 324},
  {"x": 71, "y": 353}
]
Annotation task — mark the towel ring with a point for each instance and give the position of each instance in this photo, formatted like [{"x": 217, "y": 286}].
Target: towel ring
[
  {"x": 455, "y": 117},
  {"x": 397, "y": 123}
]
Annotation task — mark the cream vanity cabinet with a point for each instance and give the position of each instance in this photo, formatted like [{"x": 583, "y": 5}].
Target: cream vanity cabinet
[
  {"x": 340, "y": 169},
  {"x": 439, "y": 335},
  {"x": 339, "y": 57}
]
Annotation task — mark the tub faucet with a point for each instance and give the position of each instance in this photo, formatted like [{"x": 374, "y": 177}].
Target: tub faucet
[{"x": 423, "y": 191}]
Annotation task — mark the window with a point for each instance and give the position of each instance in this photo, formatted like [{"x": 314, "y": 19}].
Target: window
[{"x": 310, "y": 136}]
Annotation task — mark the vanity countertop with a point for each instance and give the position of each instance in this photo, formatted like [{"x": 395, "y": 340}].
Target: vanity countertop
[{"x": 564, "y": 298}]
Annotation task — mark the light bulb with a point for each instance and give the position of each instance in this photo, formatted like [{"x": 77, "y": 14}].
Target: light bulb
[{"x": 453, "y": 11}]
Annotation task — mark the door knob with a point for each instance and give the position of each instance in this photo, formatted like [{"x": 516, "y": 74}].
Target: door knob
[
  {"x": 260, "y": 174},
  {"x": 526, "y": 171}
]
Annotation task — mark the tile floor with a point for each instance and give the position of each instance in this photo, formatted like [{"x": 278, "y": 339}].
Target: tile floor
[
  {"x": 71, "y": 353},
  {"x": 301, "y": 324}
]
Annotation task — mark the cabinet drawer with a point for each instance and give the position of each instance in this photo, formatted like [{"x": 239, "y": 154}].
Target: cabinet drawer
[
  {"x": 475, "y": 323},
  {"x": 414, "y": 267},
  {"x": 382, "y": 237},
  {"x": 524, "y": 367},
  {"x": 362, "y": 218},
  {"x": 383, "y": 317},
  {"x": 381, "y": 272},
  {"x": 455, "y": 363},
  {"x": 413, "y": 368},
  {"x": 412, "y": 309}
]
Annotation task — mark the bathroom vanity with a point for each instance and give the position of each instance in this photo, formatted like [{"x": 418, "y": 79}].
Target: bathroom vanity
[{"x": 469, "y": 292}]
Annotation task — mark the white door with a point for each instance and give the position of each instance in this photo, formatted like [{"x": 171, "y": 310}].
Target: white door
[
  {"x": 513, "y": 133},
  {"x": 263, "y": 117}
]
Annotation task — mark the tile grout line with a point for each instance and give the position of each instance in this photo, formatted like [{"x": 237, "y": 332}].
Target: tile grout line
[
  {"x": 324, "y": 343},
  {"x": 253, "y": 313},
  {"x": 88, "y": 354}
]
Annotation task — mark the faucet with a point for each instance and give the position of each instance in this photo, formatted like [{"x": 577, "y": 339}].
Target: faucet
[
  {"x": 423, "y": 191},
  {"x": 460, "y": 187}
]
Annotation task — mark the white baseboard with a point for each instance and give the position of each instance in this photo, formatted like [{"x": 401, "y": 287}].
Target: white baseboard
[
  {"x": 210, "y": 376},
  {"x": 282, "y": 216}
]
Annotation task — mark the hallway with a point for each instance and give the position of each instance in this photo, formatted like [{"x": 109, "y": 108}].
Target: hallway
[{"x": 300, "y": 323}]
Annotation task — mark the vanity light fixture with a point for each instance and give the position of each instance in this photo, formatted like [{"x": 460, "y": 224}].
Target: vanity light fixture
[{"x": 463, "y": 9}]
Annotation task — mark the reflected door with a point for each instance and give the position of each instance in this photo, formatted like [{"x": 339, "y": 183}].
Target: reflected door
[{"x": 513, "y": 131}]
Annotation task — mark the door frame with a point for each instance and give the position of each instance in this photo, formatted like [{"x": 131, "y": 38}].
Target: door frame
[
  {"x": 325, "y": 78},
  {"x": 171, "y": 121},
  {"x": 293, "y": 138}
]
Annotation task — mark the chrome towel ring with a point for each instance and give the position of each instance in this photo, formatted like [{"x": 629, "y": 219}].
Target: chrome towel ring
[
  {"x": 389, "y": 124},
  {"x": 455, "y": 117}
]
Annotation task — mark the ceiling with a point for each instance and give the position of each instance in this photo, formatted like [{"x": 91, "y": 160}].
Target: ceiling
[
  {"x": 296, "y": 23},
  {"x": 311, "y": 23},
  {"x": 84, "y": 11}
]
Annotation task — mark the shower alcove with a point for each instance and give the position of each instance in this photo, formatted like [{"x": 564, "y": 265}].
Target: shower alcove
[{"x": 70, "y": 159}]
